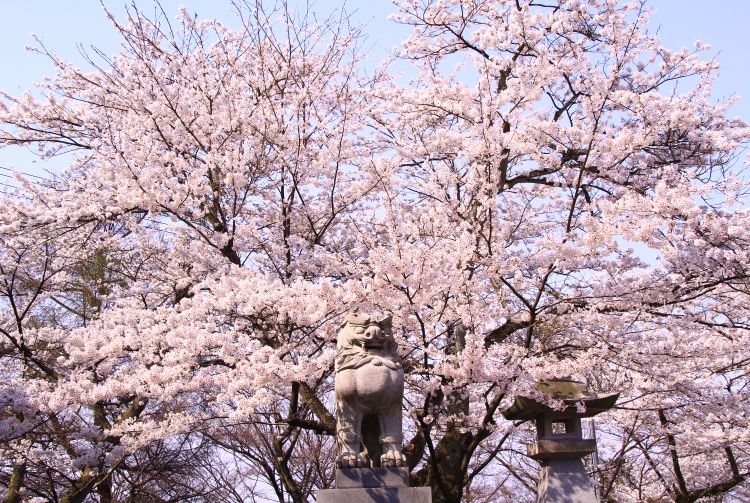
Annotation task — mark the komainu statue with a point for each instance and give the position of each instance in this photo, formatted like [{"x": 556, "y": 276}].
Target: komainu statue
[{"x": 369, "y": 391}]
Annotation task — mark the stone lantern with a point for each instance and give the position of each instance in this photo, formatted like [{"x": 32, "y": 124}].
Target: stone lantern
[{"x": 560, "y": 446}]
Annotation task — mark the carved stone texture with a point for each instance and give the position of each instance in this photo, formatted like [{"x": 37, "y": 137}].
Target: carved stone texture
[
  {"x": 369, "y": 391},
  {"x": 375, "y": 495},
  {"x": 559, "y": 449},
  {"x": 565, "y": 481},
  {"x": 347, "y": 478}
]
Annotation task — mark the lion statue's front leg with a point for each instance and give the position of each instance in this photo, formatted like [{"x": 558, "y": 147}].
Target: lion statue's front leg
[
  {"x": 391, "y": 437},
  {"x": 348, "y": 425}
]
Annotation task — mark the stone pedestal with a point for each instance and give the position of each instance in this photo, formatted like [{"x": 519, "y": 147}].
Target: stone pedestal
[
  {"x": 374, "y": 485},
  {"x": 564, "y": 481}
]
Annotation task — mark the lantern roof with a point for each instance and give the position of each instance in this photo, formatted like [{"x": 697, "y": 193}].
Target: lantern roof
[{"x": 570, "y": 392}]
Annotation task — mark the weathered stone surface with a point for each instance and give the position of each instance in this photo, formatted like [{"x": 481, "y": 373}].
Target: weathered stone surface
[
  {"x": 565, "y": 481},
  {"x": 569, "y": 391},
  {"x": 369, "y": 391},
  {"x": 347, "y": 478},
  {"x": 376, "y": 495},
  {"x": 558, "y": 449}
]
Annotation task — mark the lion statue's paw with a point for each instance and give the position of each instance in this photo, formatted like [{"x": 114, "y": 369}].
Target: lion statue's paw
[
  {"x": 392, "y": 459},
  {"x": 351, "y": 460}
]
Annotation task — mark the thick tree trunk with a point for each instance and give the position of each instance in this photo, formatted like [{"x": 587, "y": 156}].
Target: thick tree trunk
[
  {"x": 444, "y": 472},
  {"x": 79, "y": 489},
  {"x": 16, "y": 482},
  {"x": 104, "y": 490}
]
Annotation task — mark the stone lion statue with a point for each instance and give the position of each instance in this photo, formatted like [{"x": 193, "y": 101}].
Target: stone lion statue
[{"x": 369, "y": 391}]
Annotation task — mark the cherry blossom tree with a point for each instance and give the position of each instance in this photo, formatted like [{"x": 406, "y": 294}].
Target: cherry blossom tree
[{"x": 553, "y": 194}]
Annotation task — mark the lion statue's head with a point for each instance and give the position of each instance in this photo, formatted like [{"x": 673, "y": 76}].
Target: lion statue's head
[{"x": 363, "y": 338}]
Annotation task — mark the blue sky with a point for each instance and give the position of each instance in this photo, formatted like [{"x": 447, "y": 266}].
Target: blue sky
[{"x": 64, "y": 25}]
